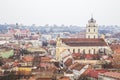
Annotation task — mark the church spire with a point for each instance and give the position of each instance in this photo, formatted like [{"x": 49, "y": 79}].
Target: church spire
[
  {"x": 91, "y": 16},
  {"x": 91, "y": 20}
]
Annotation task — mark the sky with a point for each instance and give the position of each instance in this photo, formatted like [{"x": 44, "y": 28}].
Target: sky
[{"x": 67, "y": 12}]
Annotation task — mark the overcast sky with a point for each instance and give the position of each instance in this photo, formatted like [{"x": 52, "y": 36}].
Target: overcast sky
[{"x": 67, "y": 12}]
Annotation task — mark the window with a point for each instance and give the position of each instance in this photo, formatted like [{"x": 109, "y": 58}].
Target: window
[
  {"x": 73, "y": 50},
  {"x": 88, "y": 30},
  {"x": 68, "y": 49},
  {"x": 104, "y": 51},
  {"x": 89, "y": 51},
  {"x": 94, "y": 36},
  {"x": 94, "y": 51},
  {"x": 94, "y": 30},
  {"x": 78, "y": 50},
  {"x": 83, "y": 51}
]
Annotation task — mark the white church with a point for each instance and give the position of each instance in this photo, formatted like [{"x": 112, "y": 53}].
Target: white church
[{"x": 92, "y": 44}]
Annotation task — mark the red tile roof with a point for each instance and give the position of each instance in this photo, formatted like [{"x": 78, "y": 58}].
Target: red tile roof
[
  {"x": 117, "y": 51},
  {"x": 6, "y": 35},
  {"x": 16, "y": 64},
  {"x": 68, "y": 62},
  {"x": 49, "y": 66},
  {"x": 76, "y": 66},
  {"x": 42, "y": 64},
  {"x": 84, "y": 42},
  {"x": 14, "y": 31},
  {"x": 76, "y": 54},
  {"x": 115, "y": 75},
  {"x": 94, "y": 73},
  {"x": 115, "y": 46},
  {"x": 28, "y": 58},
  {"x": 45, "y": 59},
  {"x": 88, "y": 56},
  {"x": 64, "y": 78},
  {"x": 52, "y": 42}
]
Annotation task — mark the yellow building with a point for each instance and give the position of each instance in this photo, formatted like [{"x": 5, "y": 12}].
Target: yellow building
[{"x": 23, "y": 70}]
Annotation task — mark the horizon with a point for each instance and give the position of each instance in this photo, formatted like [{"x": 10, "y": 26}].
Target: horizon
[{"x": 52, "y": 25}]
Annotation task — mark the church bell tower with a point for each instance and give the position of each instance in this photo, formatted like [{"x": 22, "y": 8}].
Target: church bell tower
[{"x": 91, "y": 29}]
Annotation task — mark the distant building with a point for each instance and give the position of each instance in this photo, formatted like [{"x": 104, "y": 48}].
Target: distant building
[
  {"x": 6, "y": 36},
  {"x": 19, "y": 33}
]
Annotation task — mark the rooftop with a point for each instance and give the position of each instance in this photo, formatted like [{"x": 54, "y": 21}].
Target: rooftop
[
  {"x": 115, "y": 75},
  {"x": 94, "y": 73},
  {"x": 84, "y": 42}
]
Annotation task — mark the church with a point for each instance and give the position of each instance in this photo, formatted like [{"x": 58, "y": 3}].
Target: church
[{"x": 91, "y": 44}]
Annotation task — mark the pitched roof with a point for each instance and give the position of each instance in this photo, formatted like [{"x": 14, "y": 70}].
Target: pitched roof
[
  {"x": 84, "y": 42},
  {"x": 6, "y": 35},
  {"x": 13, "y": 31},
  {"x": 76, "y": 54},
  {"x": 64, "y": 78},
  {"x": 68, "y": 62},
  {"x": 114, "y": 46},
  {"x": 45, "y": 59},
  {"x": 115, "y": 75},
  {"x": 28, "y": 58},
  {"x": 94, "y": 73},
  {"x": 89, "y": 56},
  {"x": 76, "y": 66}
]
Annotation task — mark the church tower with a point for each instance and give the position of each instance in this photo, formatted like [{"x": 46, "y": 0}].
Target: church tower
[
  {"x": 91, "y": 29},
  {"x": 58, "y": 48}
]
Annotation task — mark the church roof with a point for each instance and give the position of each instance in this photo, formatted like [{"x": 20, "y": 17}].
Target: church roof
[{"x": 84, "y": 42}]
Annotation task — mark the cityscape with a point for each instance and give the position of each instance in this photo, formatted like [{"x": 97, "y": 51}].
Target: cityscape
[{"x": 59, "y": 51}]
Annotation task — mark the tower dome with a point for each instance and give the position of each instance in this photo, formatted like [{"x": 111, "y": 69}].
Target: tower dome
[{"x": 92, "y": 20}]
